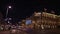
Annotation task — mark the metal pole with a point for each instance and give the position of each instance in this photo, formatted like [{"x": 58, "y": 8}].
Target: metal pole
[
  {"x": 7, "y": 13},
  {"x": 41, "y": 16}
]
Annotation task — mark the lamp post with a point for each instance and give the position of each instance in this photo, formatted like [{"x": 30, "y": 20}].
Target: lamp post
[
  {"x": 7, "y": 10},
  {"x": 9, "y": 7}
]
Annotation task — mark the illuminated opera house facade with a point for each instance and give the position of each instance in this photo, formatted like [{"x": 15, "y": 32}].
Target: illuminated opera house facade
[{"x": 45, "y": 20}]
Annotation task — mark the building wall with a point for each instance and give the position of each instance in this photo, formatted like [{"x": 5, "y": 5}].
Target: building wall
[
  {"x": 58, "y": 20},
  {"x": 44, "y": 18}
]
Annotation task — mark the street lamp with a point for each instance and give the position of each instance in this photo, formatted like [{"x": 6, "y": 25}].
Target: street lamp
[{"x": 9, "y": 7}]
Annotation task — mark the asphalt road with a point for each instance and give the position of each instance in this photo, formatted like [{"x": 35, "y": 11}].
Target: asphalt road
[{"x": 50, "y": 31}]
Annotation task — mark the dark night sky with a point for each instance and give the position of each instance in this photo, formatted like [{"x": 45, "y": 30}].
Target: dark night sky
[{"x": 23, "y": 8}]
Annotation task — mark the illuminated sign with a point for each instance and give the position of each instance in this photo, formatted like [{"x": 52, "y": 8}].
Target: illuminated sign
[{"x": 28, "y": 22}]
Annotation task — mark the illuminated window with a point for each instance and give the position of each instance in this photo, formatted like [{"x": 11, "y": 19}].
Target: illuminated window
[{"x": 33, "y": 21}]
